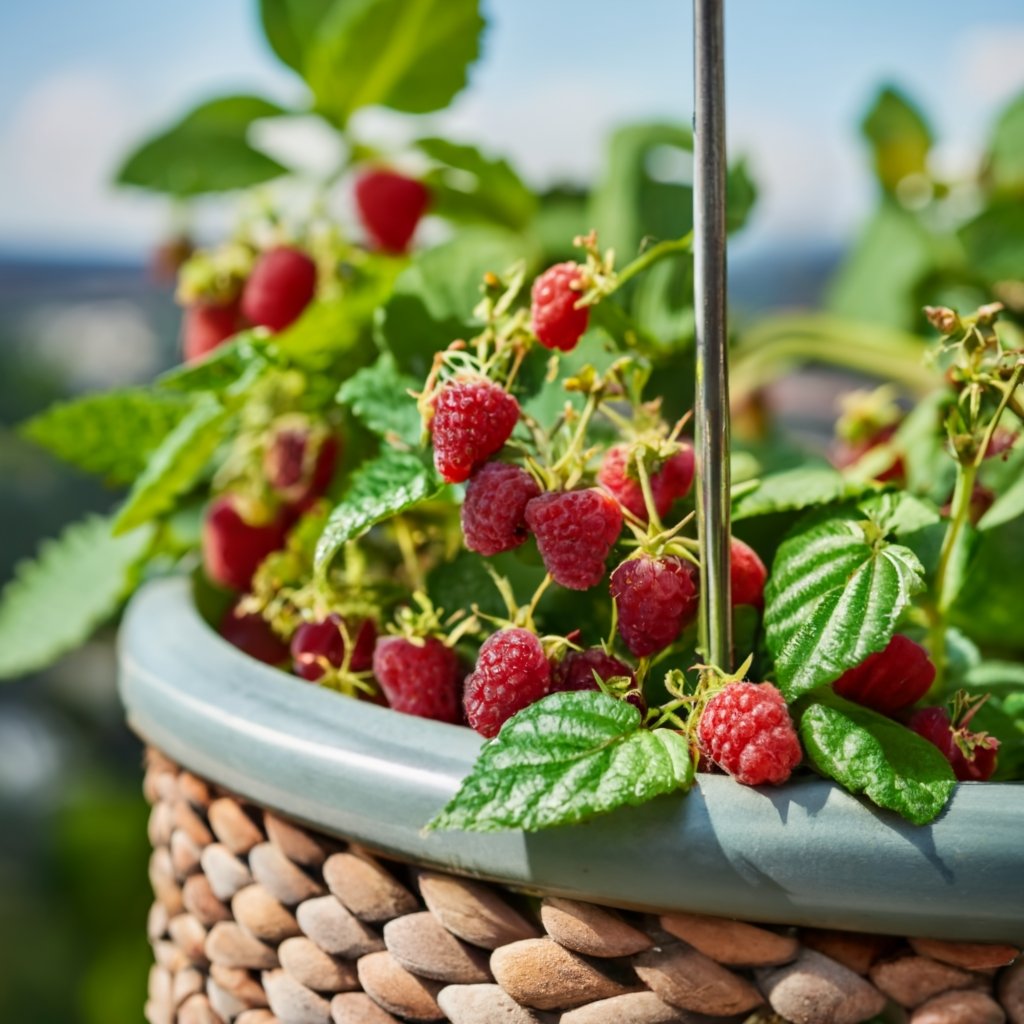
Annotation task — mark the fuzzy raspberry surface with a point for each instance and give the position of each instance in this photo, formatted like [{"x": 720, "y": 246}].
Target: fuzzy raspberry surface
[
  {"x": 473, "y": 418},
  {"x": 746, "y": 729},
  {"x": 318, "y": 646},
  {"x": 978, "y": 765},
  {"x": 511, "y": 673},
  {"x": 251, "y": 633},
  {"x": 576, "y": 672},
  {"x": 555, "y": 321},
  {"x": 891, "y": 679},
  {"x": 656, "y": 600},
  {"x": 232, "y": 547},
  {"x": 669, "y": 483},
  {"x": 421, "y": 679},
  {"x": 575, "y": 532},
  {"x": 494, "y": 512},
  {"x": 206, "y": 326},
  {"x": 747, "y": 575},
  {"x": 390, "y": 207},
  {"x": 280, "y": 287}
]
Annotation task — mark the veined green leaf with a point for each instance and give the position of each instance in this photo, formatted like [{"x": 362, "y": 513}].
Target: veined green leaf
[
  {"x": 795, "y": 489},
  {"x": 176, "y": 465},
  {"x": 393, "y": 482},
  {"x": 834, "y": 597},
  {"x": 112, "y": 434},
  {"x": 74, "y": 584},
  {"x": 410, "y": 55},
  {"x": 206, "y": 151},
  {"x": 871, "y": 754},
  {"x": 220, "y": 369},
  {"x": 563, "y": 760},
  {"x": 378, "y": 397},
  {"x": 291, "y": 25}
]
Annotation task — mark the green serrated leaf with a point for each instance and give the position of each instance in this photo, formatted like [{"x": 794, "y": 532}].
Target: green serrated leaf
[
  {"x": 111, "y": 434},
  {"x": 409, "y": 55},
  {"x": 469, "y": 186},
  {"x": 833, "y": 598},
  {"x": 378, "y": 397},
  {"x": 220, "y": 369},
  {"x": 176, "y": 465},
  {"x": 206, "y": 151},
  {"x": 871, "y": 754},
  {"x": 434, "y": 297},
  {"x": 794, "y": 489},
  {"x": 74, "y": 584},
  {"x": 393, "y": 482},
  {"x": 563, "y": 760},
  {"x": 899, "y": 513}
]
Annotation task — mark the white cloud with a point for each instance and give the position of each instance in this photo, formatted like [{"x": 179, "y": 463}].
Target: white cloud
[{"x": 989, "y": 62}]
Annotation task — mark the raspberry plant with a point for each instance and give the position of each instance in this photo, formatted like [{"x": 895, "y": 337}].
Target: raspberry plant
[{"x": 458, "y": 481}]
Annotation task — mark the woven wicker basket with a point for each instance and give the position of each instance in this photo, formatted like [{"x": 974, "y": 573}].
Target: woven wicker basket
[{"x": 259, "y": 918}]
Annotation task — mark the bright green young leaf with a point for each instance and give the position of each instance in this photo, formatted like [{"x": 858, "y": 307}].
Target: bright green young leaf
[
  {"x": 175, "y": 466},
  {"x": 563, "y": 760},
  {"x": 1006, "y": 155},
  {"x": 794, "y": 489},
  {"x": 410, "y": 55},
  {"x": 220, "y": 369},
  {"x": 291, "y": 25},
  {"x": 834, "y": 597},
  {"x": 898, "y": 512},
  {"x": 378, "y": 397},
  {"x": 899, "y": 137},
  {"x": 877, "y": 280},
  {"x": 206, "y": 151},
  {"x": 994, "y": 241},
  {"x": 112, "y": 434},
  {"x": 74, "y": 584},
  {"x": 393, "y": 482},
  {"x": 434, "y": 297},
  {"x": 468, "y": 186},
  {"x": 871, "y": 754}
]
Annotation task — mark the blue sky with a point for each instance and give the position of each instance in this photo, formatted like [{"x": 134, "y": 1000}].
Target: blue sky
[{"x": 81, "y": 81}]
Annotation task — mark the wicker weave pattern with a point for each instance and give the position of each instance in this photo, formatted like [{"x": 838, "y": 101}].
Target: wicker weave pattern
[{"x": 259, "y": 921}]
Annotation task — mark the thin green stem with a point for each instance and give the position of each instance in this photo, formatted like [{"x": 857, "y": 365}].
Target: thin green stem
[{"x": 656, "y": 253}]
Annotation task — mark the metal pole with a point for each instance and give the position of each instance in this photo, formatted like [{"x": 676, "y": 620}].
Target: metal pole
[{"x": 712, "y": 408}]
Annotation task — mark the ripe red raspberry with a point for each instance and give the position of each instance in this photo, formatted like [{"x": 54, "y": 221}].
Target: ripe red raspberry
[
  {"x": 889, "y": 680},
  {"x": 419, "y": 679},
  {"x": 494, "y": 512},
  {"x": 232, "y": 547},
  {"x": 556, "y": 321},
  {"x": 575, "y": 531},
  {"x": 299, "y": 463},
  {"x": 747, "y": 575},
  {"x": 973, "y": 758},
  {"x": 390, "y": 206},
  {"x": 251, "y": 633},
  {"x": 656, "y": 600},
  {"x": 672, "y": 481},
  {"x": 746, "y": 729},
  {"x": 473, "y": 418},
  {"x": 847, "y": 453},
  {"x": 280, "y": 287},
  {"x": 576, "y": 672},
  {"x": 511, "y": 672},
  {"x": 318, "y": 646},
  {"x": 206, "y": 326}
]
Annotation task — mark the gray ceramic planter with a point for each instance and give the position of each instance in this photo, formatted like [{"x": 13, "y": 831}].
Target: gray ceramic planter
[{"x": 806, "y": 854}]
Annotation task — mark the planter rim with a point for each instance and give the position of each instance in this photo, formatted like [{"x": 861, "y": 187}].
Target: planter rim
[{"x": 808, "y": 853}]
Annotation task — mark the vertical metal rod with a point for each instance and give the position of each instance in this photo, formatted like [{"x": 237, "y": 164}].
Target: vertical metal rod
[{"x": 712, "y": 408}]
